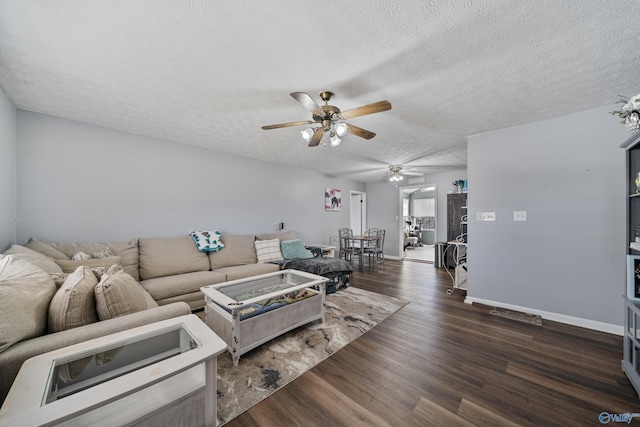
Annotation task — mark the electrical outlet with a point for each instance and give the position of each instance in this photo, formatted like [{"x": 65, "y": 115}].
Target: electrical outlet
[{"x": 519, "y": 215}]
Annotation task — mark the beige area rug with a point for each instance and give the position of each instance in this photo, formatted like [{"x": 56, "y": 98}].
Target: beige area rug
[{"x": 349, "y": 313}]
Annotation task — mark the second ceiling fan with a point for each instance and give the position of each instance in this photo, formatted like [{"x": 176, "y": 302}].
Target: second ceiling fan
[{"x": 331, "y": 119}]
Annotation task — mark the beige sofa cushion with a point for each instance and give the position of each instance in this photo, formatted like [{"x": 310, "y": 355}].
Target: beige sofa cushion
[
  {"x": 34, "y": 257},
  {"x": 167, "y": 256},
  {"x": 69, "y": 265},
  {"x": 282, "y": 236},
  {"x": 238, "y": 250},
  {"x": 162, "y": 288},
  {"x": 117, "y": 294},
  {"x": 74, "y": 303},
  {"x": 25, "y": 293}
]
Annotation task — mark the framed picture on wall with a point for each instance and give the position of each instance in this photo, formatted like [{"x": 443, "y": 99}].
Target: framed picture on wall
[
  {"x": 332, "y": 199},
  {"x": 633, "y": 277}
]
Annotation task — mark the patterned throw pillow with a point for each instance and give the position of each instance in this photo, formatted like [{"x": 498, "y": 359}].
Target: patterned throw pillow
[
  {"x": 207, "y": 241},
  {"x": 268, "y": 250}
]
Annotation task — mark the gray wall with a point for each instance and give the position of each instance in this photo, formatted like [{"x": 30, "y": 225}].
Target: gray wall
[
  {"x": 568, "y": 258},
  {"x": 383, "y": 211},
  {"x": 78, "y": 182},
  {"x": 7, "y": 171},
  {"x": 384, "y": 208}
]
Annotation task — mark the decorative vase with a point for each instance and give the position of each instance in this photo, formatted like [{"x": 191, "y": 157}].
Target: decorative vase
[
  {"x": 637, "y": 182},
  {"x": 632, "y": 121}
]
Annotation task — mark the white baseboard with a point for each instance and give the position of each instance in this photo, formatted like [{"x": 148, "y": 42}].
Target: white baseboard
[{"x": 556, "y": 317}]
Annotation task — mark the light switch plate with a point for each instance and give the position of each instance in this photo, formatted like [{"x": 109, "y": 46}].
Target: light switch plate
[
  {"x": 519, "y": 215},
  {"x": 485, "y": 216}
]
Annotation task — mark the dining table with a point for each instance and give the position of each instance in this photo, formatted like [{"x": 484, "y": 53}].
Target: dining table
[{"x": 362, "y": 244}]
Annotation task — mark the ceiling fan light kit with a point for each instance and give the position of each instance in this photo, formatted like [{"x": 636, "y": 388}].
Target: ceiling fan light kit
[
  {"x": 330, "y": 119},
  {"x": 396, "y": 174}
]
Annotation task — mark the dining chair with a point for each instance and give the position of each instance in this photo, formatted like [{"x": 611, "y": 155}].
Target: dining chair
[
  {"x": 377, "y": 250},
  {"x": 370, "y": 232},
  {"x": 380, "y": 248},
  {"x": 347, "y": 248}
]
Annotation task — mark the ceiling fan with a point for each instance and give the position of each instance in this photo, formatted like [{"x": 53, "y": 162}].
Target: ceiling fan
[
  {"x": 331, "y": 119},
  {"x": 396, "y": 173}
]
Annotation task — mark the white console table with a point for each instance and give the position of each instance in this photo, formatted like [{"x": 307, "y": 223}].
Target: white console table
[
  {"x": 118, "y": 379},
  {"x": 327, "y": 251}
]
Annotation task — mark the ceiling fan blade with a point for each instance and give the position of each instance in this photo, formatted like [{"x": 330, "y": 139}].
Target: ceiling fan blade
[
  {"x": 286, "y": 125},
  {"x": 362, "y": 133},
  {"x": 412, "y": 173},
  {"x": 308, "y": 103},
  {"x": 318, "y": 133},
  {"x": 376, "y": 107}
]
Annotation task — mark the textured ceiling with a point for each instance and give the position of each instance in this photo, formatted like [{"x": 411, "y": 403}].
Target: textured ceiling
[{"x": 212, "y": 73}]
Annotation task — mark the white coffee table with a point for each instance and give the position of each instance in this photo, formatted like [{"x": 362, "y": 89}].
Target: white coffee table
[
  {"x": 225, "y": 304},
  {"x": 118, "y": 379}
]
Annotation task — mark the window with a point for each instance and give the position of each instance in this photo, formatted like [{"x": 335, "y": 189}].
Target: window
[
  {"x": 424, "y": 207},
  {"x": 405, "y": 207}
]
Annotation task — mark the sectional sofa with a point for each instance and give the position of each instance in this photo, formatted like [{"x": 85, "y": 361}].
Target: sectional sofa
[
  {"x": 171, "y": 269},
  {"x": 143, "y": 281}
]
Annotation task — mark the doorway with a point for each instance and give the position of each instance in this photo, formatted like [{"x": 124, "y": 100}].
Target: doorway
[
  {"x": 418, "y": 205},
  {"x": 358, "y": 212}
]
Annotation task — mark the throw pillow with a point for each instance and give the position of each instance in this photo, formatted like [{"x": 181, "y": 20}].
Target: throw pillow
[
  {"x": 69, "y": 265},
  {"x": 294, "y": 249},
  {"x": 45, "y": 249},
  {"x": 118, "y": 294},
  {"x": 104, "y": 253},
  {"x": 74, "y": 304},
  {"x": 268, "y": 250},
  {"x": 78, "y": 256},
  {"x": 207, "y": 241},
  {"x": 25, "y": 293},
  {"x": 30, "y": 255}
]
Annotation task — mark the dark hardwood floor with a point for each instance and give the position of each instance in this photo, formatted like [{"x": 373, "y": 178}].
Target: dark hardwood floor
[{"x": 440, "y": 362}]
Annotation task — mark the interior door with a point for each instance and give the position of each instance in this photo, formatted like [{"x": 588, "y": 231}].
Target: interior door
[{"x": 358, "y": 212}]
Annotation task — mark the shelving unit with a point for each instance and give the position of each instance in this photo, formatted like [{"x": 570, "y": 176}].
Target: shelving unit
[
  {"x": 459, "y": 245},
  {"x": 631, "y": 346}
]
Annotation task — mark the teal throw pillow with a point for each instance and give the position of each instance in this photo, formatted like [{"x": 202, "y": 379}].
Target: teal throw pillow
[{"x": 294, "y": 249}]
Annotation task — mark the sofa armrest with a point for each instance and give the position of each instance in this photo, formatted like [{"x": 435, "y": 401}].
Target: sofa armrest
[{"x": 13, "y": 357}]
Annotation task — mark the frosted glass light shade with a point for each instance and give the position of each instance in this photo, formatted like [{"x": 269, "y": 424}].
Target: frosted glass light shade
[
  {"x": 341, "y": 129},
  {"x": 307, "y": 134}
]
